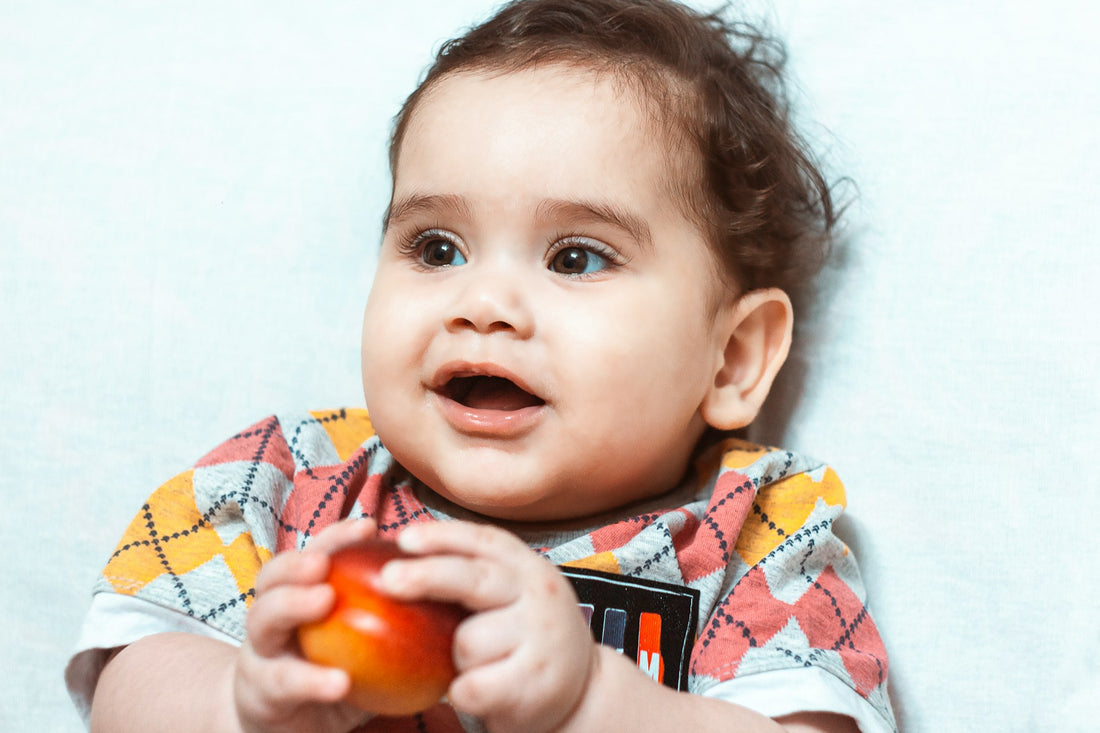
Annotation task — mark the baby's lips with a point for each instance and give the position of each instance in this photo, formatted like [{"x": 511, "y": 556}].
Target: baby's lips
[{"x": 443, "y": 379}]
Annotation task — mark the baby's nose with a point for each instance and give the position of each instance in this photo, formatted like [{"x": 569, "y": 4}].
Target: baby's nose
[{"x": 490, "y": 303}]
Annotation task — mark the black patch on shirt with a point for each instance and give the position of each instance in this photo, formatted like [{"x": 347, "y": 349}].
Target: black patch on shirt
[{"x": 641, "y": 617}]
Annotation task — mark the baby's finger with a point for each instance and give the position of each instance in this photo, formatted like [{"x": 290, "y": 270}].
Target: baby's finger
[
  {"x": 311, "y": 565},
  {"x": 489, "y": 688},
  {"x": 461, "y": 538},
  {"x": 289, "y": 681},
  {"x": 485, "y": 638},
  {"x": 343, "y": 533},
  {"x": 300, "y": 568},
  {"x": 272, "y": 621},
  {"x": 475, "y": 583}
]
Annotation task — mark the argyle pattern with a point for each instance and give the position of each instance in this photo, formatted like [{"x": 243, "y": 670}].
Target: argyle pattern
[{"x": 750, "y": 529}]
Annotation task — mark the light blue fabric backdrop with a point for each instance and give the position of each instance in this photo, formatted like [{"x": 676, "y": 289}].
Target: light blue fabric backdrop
[{"x": 190, "y": 197}]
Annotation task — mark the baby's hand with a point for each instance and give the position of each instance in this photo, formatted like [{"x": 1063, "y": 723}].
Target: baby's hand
[
  {"x": 275, "y": 690},
  {"x": 525, "y": 656}
]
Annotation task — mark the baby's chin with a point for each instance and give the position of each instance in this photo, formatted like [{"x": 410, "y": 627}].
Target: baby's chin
[
  {"x": 504, "y": 504},
  {"x": 540, "y": 504},
  {"x": 496, "y": 492},
  {"x": 518, "y": 485}
]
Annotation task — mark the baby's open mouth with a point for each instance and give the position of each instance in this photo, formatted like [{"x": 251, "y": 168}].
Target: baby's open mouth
[{"x": 490, "y": 393}]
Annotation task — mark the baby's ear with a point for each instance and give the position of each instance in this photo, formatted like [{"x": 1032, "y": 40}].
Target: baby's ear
[{"x": 757, "y": 336}]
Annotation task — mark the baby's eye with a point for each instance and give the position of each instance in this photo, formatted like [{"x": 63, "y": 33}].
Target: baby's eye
[
  {"x": 577, "y": 261},
  {"x": 437, "y": 251}
]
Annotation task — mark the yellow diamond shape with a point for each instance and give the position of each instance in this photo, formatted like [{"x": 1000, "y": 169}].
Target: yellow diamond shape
[
  {"x": 780, "y": 510},
  {"x": 347, "y": 429},
  {"x": 169, "y": 536}
]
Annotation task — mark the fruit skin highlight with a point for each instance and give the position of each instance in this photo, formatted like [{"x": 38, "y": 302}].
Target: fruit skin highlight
[{"x": 398, "y": 653}]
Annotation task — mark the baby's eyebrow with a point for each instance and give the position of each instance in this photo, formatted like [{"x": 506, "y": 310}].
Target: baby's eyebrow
[
  {"x": 574, "y": 212},
  {"x": 583, "y": 212},
  {"x": 414, "y": 204}
]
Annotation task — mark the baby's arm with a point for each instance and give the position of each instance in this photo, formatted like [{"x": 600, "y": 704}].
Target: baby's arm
[
  {"x": 165, "y": 682},
  {"x": 526, "y": 659},
  {"x": 621, "y": 693},
  {"x": 170, "y": 682}
]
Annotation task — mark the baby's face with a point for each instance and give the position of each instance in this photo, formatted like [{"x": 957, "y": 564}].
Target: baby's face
[{"x": 539, "y": 336}]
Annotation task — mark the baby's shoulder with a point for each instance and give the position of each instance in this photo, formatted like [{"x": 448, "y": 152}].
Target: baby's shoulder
[
  {"x": 316, "y": 437},
  {"x": 770, "y": 473},
  {"x": 344, "y": 429}
]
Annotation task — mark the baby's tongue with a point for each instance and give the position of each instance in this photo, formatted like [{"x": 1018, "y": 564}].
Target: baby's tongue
[{"x": 496, "y": 393}]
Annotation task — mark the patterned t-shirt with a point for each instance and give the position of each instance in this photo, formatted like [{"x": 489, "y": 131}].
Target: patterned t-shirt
[{"x": 734, "y": 573}]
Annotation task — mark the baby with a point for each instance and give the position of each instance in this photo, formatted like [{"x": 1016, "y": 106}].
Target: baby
[{"x": 599, "y": 213}]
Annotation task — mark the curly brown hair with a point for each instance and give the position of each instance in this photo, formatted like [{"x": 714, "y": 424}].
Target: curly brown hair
[{"x": 754, "y": 188}]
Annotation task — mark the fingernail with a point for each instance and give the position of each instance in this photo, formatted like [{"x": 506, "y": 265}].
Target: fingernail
[
  {"x": 336, "y": 681},
  {"x": 410, "y": 540},
  {"x": 391, "y": 580}
]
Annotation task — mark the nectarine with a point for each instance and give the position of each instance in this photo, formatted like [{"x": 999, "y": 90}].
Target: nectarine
[{"x": 398, "y": 653}]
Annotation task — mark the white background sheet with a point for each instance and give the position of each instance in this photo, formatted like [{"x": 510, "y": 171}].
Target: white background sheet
[{"x": 190, "y": 197}]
